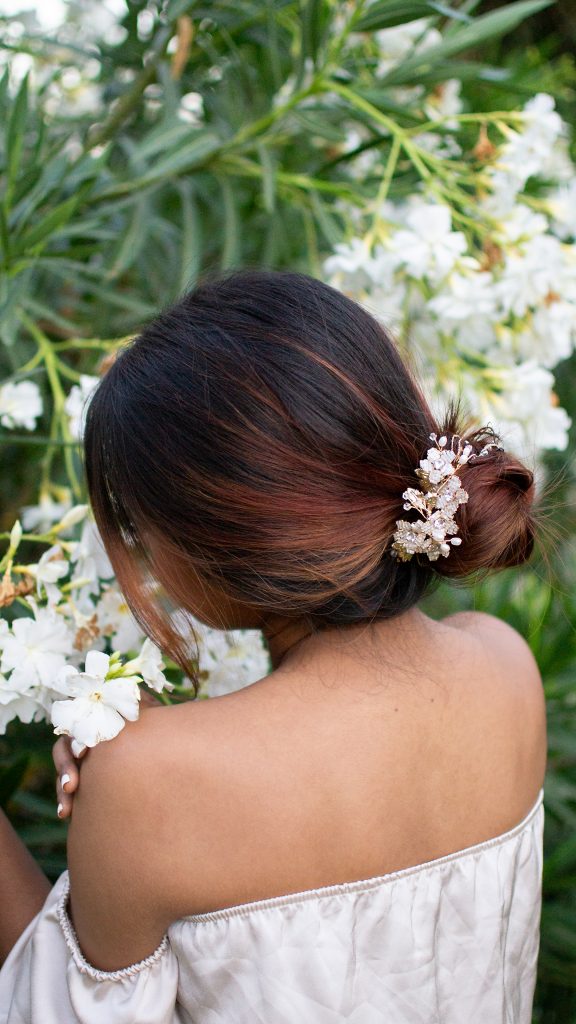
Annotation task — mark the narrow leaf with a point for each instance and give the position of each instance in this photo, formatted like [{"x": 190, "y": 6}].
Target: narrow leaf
[
  {"x": 268, "y": 177},
  {"x": 231, "y": 246},
  {"x": 465, "y": 37},
  {"x": 15, "y": 129},
  {"x": 191, "y": 253}
]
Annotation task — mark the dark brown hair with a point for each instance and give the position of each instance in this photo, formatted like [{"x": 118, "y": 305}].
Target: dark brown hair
[{"x": 266, "y": 427}]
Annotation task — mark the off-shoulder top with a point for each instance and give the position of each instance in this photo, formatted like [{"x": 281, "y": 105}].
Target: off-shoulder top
[{"x": 450, "y": 941}]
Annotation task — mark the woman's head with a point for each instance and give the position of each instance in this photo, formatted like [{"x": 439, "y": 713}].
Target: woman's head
[{"x": 256, "y": 439}]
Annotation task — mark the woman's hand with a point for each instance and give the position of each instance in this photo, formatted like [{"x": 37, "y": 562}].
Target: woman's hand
[
  {"x": 68, "y": 767},
  {"x": 68, "y": 774}
]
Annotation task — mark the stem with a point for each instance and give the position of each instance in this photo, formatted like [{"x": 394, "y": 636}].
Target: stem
[
  {"x": 35, "y": 439},
  {"x": 368, "y": 108},
  {"x": 384, "y": 188},
  {"x": 250, "y": 130},
  {"x": 494, "y": 117},
  {"x": 243, "y": 165},
  {"x": 41, "y": 538},
  {"x": 53, "y": 364},
  {"x": 102, "y": 133},
  {"x": 89, "y": 343},
  {"x": 32, "y": 363}
]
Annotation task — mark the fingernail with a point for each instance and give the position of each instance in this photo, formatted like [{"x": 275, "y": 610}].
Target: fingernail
[
  {"x": 64, "y": 779},
  {"x": 59, "y": 810}
]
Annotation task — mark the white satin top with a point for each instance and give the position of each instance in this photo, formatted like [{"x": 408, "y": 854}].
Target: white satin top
[{"x": 450, "y": 941}]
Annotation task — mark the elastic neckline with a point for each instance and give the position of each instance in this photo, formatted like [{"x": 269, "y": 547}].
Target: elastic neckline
[{"x": 366, "y": 884}]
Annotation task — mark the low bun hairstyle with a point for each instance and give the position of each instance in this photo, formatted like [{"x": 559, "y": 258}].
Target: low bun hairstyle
[
  {"x": 266, "y": 427},
  {"x": 497, "y": 524}
]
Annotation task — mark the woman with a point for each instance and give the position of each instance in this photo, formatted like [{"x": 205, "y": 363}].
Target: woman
[{"x": 357, "y": 836}]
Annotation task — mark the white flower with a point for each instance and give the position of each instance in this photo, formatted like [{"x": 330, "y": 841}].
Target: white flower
[
  {"x": 397, "y": 43},
  {"x": 350, "y": 262},
  {"x": 232, "y": 659},
  {"x": 191, "y": 108},
  {"x": 445, "y": 101},
  {"x": 550, "y": 335},
  {"x": 527, "y": 152},
  {"x": 116, "y": 620},
  {"x": 390, "y": 304},
  {"x": 562, "y": 204},
  {"x": 520, "y": 402},
  {"x": 20, "y": 404},
  {"x": 465, "y": 296},
  {"x": 520, "y": 224},
  {"x": 382, "y": 266},
  {"x": 91, "y": 561},
  {"x": 52, "y": 567},
  {"x": 98, "y": 708},
  {"x": 440, "y": 145},
  {"x": 77, "y": 402},
  {"x": 149, "y": 665},
  {"x": 428, "y": 247},
  {"x": 36, "y": 648},
  {"x": 15, "y": 703},
  {"x": 71, "y": 517},
  {"x": 40, "y": 517},
  {"x": 530, "y": 276},
  {"x": 363, "y": 164}
]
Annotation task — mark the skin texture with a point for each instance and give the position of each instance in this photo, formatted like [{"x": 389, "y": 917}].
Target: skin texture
[
  {"x": 366, "y": 750},
  {"x": 23, "y": 887}
]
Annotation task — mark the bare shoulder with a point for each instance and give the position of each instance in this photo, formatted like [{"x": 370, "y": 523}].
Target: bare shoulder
[
  {"x": 119, "y": 849},
  {"x": 504, "y": 644},
  {"x": 511, "y": 705}
]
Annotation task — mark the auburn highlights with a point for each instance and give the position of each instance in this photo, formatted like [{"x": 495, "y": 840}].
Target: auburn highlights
[{"x": 265, "y": 427}]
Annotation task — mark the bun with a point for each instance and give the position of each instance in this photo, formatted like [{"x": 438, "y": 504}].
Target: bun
[{"x": 497, "y": 523}]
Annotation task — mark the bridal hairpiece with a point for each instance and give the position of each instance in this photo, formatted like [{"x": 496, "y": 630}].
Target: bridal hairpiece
[{"x": 437, "y": 501}]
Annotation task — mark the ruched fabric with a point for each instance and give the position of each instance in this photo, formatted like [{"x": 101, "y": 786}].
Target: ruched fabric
[{"x": 452, "y": 940}]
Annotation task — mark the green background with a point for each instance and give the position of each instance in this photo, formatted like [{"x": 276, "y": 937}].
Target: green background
[{"x": 91, "y": 248}]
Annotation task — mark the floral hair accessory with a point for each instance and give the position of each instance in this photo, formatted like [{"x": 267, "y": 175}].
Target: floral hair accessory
[{"x": 437, "y": 502}]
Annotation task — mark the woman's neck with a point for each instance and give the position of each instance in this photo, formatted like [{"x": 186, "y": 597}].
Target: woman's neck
[{"x": 289, "y": 638}]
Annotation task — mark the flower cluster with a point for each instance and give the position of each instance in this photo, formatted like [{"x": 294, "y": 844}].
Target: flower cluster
[
  {"x": 76, "y": 656},
  {"x": 437, "y": 502},
  {"x": 480, "y": 284}
]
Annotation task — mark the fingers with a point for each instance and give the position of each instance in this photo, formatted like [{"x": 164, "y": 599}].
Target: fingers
[{"x": 68, "y": 776}]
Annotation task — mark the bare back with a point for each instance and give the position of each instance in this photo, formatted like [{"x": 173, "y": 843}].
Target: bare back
[{"x": 333, "y": 769}]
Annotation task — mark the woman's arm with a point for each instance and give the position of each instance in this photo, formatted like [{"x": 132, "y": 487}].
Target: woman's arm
[{"x": 23, "y": 887}]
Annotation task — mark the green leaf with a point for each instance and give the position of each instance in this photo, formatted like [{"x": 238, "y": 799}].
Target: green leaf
[
  {"x": 191, "y": 250},
  {"x": 4, "y": 239},
  {"x": 389, "y": 13},
  {"x": 182, "y": 160},
  {"x": 313, "y": 22},
  {"x": 164, "y": 137},
  {"x": 15, "y": 129},
  {"x": 449, "y": 12},
  {"x": 231, "y": 248},
  {"x": 48, "y": 226},
  {"x": 176, "y": 8},
  {"x": 268, "y": 177},
  {"x": 52, "y": 176},
  {"x": 132, "y": 242},
  {"x": 330, "y": 229},
  {"x": 465, "y": 37}
]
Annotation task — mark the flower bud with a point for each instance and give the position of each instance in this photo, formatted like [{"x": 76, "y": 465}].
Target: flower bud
[{"x": 72, "y": 516}]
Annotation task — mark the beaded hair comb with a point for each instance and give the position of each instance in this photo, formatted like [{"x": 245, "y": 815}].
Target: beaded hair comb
[{"x": 437, "y": 501}]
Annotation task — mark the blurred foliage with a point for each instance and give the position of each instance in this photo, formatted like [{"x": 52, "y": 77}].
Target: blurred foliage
[{"x": 110, "y": 209}]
